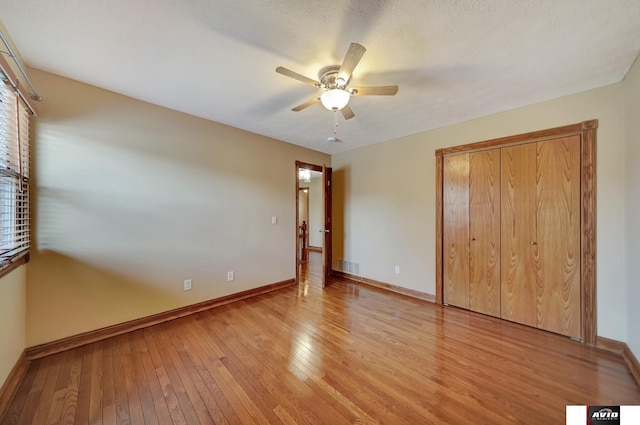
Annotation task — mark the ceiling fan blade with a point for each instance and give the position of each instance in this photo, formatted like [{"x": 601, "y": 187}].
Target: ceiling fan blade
[
  {"x": 306, "y": 104},
  {"x": 376, "y": 90},
  {"x": 347, "y": 112},
  {"x": 289, "y": 73},
  {"x": 351, "y": 59}
]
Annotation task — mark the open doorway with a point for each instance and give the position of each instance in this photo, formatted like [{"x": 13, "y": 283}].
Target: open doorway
[
  {"x": 310, "y": 211},
  {"x": 313, "y": 215},
  {"x": 304, "y": 223}
]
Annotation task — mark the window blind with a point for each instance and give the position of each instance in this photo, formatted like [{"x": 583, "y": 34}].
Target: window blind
[{"x": 15, "y": 229}]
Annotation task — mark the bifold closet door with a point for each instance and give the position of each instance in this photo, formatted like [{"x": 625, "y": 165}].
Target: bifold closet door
[
  {"x": 484, "y": 230},
  {"x": 455, "y": 225},
  {"x": 519, "y": 250},
  {"x": 516, "y": 229},
  {"x": 558, "y": 221},
  {"x": 471, "y": 223},
  {"x": 540, "y": 249}
]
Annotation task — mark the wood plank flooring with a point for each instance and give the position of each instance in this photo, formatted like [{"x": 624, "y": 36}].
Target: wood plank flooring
[{"x": 346, "y": 355}]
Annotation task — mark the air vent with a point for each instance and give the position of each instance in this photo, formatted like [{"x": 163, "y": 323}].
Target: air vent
[{"x": 349, "y": 267}]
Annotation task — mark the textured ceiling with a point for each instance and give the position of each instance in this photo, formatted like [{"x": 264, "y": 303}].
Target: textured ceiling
[{"x": 454, "y": 60}]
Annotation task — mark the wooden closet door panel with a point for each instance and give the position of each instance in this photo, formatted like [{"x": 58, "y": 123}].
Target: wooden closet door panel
[
  {"x": 558, "y": 219},
  {"x": 456, "y": 230},
  {"x": 518, "y": 231},
  {"x": 484, "y": 225}
]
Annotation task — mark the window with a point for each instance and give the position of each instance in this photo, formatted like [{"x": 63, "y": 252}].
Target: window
[{"x": 14, "y": 178}]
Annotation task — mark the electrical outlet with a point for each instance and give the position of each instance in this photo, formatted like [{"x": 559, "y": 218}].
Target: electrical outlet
[
  {"x": 187, "y": 285},
  {"x": 397, "y": 269},
  {"x": 229, "y": 276}
]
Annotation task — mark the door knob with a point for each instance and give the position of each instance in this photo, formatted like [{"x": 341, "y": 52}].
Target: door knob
[{"x": 533, "y": 243}]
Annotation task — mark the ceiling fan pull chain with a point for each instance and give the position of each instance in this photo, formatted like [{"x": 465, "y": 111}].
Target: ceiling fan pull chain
[{"x": 335, "y": 121}]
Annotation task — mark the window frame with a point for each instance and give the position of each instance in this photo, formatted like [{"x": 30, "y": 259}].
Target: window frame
[{"x": 21, "y": 198}]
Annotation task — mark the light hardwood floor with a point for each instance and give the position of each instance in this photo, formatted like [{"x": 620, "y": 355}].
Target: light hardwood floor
[{"x": 346, "y": 355}]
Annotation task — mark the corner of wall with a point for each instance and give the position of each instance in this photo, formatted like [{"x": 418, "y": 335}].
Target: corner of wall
[{"x": 631, "y": 85}]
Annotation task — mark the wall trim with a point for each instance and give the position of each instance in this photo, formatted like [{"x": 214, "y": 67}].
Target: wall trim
[
  {"x": 385, "y": 286},
  {"x": 622, "y": 349},
  {"x": 89, "y": 337},
  {"x": 12, "y": 383},
  {"x": 14, "y": 263},
  {"x": 610, "y": 345},
  {"x": 632, "y": 362}
]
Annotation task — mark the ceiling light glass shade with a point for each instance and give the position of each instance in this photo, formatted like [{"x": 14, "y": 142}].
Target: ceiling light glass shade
[
  {"x": 304, "y": 175},
  {"x": 335, "y": 99}
]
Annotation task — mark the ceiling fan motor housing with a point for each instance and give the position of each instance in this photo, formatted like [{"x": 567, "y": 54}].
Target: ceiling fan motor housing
[
  {"x": 328, "y": 76},
  {"x": 334, "y": 80}
]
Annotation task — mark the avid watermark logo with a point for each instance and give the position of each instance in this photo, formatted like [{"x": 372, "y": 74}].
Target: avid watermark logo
[{"x": 597, "y": 415}]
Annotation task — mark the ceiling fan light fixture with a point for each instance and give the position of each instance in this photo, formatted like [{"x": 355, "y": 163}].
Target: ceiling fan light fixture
[{"x": 335, "y": 99}]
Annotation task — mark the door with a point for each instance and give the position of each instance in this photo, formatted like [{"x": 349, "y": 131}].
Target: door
[
  {"x": 512, "y": 233},
  {"x": 326, "y": 218},
  {"x": 484, "y": 232},
  {"x": 519, "y": 252},
  {"x": 326, "y": 249},
  {"x": 547, "y": 228},
  {"x": 558, "y": 221},
  {"x": 541, "y": 235},
  {"x": 456, "y": 230},
  {"x": 472, "y": 231}
]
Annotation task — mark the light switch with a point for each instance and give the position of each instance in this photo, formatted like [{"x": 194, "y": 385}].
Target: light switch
[{"x": 274, "y": 220}]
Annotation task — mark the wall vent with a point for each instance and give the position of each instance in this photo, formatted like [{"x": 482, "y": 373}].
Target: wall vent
[{"x": 349, "y": 267}]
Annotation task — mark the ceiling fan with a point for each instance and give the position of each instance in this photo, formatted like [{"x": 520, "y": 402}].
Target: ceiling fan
[{"x": 334, "y": 81}]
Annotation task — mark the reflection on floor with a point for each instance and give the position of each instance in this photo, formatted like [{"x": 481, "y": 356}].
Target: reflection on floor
[{"x": 310, "y": 272}]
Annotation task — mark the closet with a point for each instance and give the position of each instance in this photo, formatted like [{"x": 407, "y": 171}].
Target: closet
[{"x": 516, "y": 229}]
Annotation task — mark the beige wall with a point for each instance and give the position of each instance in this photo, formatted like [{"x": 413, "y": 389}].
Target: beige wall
[
  {"x": 131, "y": 199},
  {"x": 13, "y": 290},
  {"x": 632, "y": 230},
  {"x": 384, "y": 212}
]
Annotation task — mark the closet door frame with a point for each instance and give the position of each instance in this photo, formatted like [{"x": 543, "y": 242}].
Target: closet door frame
[{"x": 588, "y": 132}]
